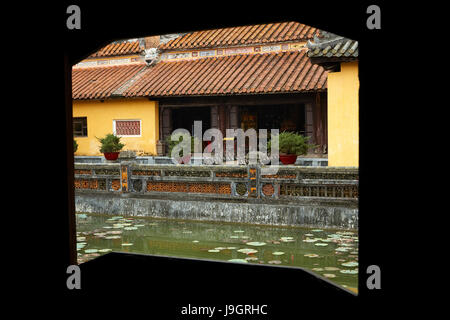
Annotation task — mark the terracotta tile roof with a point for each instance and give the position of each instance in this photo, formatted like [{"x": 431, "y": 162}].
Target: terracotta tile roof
[
  {"x": 119, "y": 49},
  {"x": 102, "y": 82},
  {"x": 281, "y": 72},
  {"x": 330, "y": 45},
  {"x": 263, "y": 33},
  {"x": 344, "y": 48}
]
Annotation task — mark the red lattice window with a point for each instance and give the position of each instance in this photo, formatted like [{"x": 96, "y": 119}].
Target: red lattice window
[{"x": 127, "y": 127}]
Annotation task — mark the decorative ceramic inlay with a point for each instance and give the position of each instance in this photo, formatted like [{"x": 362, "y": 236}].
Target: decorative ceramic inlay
[{"x": 196, "y": 54}]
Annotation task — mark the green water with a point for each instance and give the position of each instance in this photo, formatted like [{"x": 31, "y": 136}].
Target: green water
[{"x": 313, "y": 249}]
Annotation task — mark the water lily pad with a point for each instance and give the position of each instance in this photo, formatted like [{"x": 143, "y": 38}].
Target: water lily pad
[
  {"x": 309, "y": 235},
  {"x": 310, "y": 240},
  {"x": 287, "y": 240},
  {"x": 321, "y": 244},
  {"x": 234, "y": 237},
  {"x": 238, "y": 260},
  {"x": 114, "y": 232},
  {"x": 274, "y": 262},
  {"x": 329, "y": 275},
  {"x": 127, "y": 244},
  {"x": 81, "y": 238},
  {"x": 251, "y": 258},
  {"x": 348, "y": 271},
  {"x": 91, "y": 250},
  {"x": 104, "y": 250},
  {"x": 238, "y": 231},
  {"x": 277, "y": 253},
  {"x": 247, "y": 251},
  {"x": 112, "y": 237},
  {"x": 213, "y": 250},
  {"x": 100, "y": 234},
  {"x": 311, "y": 255},
  {"x": 256, "y": 244},
  {"x": 195, "y": 241},
  {"x": 341, "y": 249},
  {"x": 220, "y": 248},
  {"x": 139, "y": 225},
  {"x": 317, "y": 230},
  {"x": 317, "y": 269},
  {"x": 130, "y": 228},
  {"x": 231, "y": 248},
  {"x": 350, "y": 264}
]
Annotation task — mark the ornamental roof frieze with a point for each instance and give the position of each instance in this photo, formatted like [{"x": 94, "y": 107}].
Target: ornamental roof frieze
[
  {"x": 234, "y": 50},
  {"x": 110, "y": 61}
]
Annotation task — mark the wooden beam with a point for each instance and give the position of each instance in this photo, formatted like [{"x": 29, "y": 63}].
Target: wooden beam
[{"x": 247, "y": 100}]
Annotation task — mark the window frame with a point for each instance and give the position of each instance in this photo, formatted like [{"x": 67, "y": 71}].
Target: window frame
[{"x": 83, "y": 127}]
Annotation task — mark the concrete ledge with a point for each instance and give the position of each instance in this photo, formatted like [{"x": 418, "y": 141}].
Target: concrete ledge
[{"x": 307, "y": 214}]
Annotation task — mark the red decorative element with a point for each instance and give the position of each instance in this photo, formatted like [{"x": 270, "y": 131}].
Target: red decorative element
[
  {"x": 288, "y": 158},
  {"x": 185, "y": 159},
  {"x": 111, "y": 155}
]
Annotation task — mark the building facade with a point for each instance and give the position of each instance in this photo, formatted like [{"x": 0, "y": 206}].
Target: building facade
[
  {"x": 99, "y": 108},
  {"x": 340, "y": 56},
  {"x": 258, "y": 76}
]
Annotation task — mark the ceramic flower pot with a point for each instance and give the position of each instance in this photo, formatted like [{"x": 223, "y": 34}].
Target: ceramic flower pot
[
  {"x": 288, "y": 158},
  {"x": 111, "y": 155}
]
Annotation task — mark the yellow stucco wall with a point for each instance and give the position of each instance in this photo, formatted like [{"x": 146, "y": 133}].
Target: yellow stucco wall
[
  {"x": 100, "y": 118},
  {"x": 343, "y": 113}
]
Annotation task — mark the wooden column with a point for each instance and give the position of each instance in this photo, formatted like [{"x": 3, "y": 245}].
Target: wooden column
[
  {"x": 323, "y": 101},
  {"x": 234, "y": 121},
  {"x": 214, "y": 117},
  {"x": 222, "y": 119},
  {"x": 166, "y": 125},
  {"x": 309, "y": 122},
  {"x": 318, "y": 123}
]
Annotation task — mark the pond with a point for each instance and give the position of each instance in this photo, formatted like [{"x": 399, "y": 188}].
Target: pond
[{"x": 330, "y": 253}]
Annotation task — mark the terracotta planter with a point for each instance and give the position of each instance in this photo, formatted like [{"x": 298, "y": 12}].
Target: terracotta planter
[
  {"x": 288, "y": 158},
  {"x": 111, "y": 155}
]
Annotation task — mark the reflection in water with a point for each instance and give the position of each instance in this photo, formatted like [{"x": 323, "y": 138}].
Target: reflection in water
[{"x": 333, "y": 255}]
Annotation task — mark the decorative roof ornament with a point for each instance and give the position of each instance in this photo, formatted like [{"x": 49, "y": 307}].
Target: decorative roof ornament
[
  {"x": 329, "y": 45},
  {"x": 152, "y": 56},
  {"x": 324, "y": 39}
]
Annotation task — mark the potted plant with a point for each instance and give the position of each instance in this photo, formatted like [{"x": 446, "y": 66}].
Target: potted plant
[
  {"x": 184, "y": 158},
  {"x": 110, "y": 146},
  {"x": 75, "y": 146},
  {"x": 291, "y": 145}
]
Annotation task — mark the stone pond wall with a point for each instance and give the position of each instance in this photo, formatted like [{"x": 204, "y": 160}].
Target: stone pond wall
[{"x": 296, "y": 196}]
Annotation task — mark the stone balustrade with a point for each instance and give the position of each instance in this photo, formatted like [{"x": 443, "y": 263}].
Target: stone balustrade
[{"x": 236, "y": 182}]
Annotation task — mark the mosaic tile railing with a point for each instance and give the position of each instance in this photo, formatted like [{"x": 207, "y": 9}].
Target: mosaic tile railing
[{"x": 289, "y": 183}]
